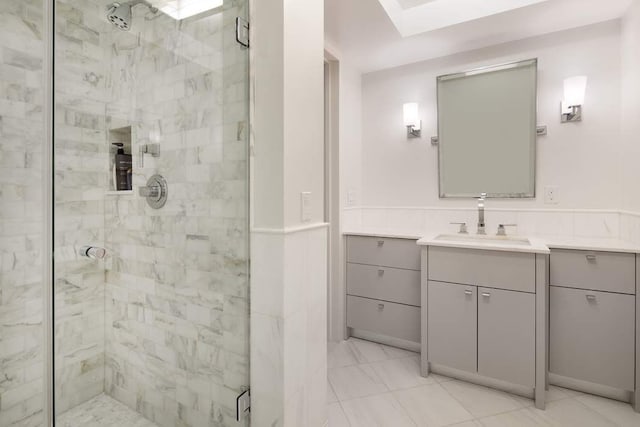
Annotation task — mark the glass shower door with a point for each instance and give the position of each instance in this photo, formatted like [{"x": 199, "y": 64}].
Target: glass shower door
[{"x": 155, "y": 328}]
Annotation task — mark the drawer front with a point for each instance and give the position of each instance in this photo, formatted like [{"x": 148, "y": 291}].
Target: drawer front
[
  {"x": 385, "y": 318},
  {"x": 592, "y": 336},
  {"x": 506, "y": 270},
  {"x": 384, "y": 283},
  {"x": 605, "y": 271},
  {"x": 506, "y": 335},
  {"x": 452, "y": 325},
  {"x": 399, "y": 253}
]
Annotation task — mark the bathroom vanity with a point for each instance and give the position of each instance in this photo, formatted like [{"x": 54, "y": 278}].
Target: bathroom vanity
[
  {"x": 508, "y": 312},
  {"x": 485, "y": 311}
]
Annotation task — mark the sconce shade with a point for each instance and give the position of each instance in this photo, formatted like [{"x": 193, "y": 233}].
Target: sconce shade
[
  {"x": 574, "y": 90},
  {"x": 411, "y": 117}
]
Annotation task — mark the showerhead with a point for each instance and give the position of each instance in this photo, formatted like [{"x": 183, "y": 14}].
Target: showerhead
[{"x": 119, "y": 14}]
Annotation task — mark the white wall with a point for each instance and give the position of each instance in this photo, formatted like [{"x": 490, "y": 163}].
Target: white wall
[
  {"x": 582, "y": 159},
  {"x": 631, "y": 107},
  {"x": 288, "y": 259},
  {"x": 350, "y": 133}
]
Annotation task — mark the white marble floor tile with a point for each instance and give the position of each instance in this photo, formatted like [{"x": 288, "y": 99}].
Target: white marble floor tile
[
  {"x": 440, "y": 378},
  {"x": 362, "y": 375},
  {"x": 331, "y": 395},
  {"x": 402, "y": 373},
  {"x": 619, "y": 412},
  {"x": 337, "y": 418},
  {"x": 481, "y": 401},
  {"x": 472, "y": 423},
  {"x": 561, "y": 413},
  {"x": 397, "y": 353},
  {"x": 366, "y": 351},
  {"x": 355, "y": 381},
  {"x": 431, "y": 405},
  {"x": 340, "y": 354},
  {"x": 558, "y": 393},
  {"x": 102, "y": 411},
  {"x": 381, "y": 410}
]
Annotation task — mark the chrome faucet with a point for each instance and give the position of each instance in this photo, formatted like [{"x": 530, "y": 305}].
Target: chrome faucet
[{"x": 481, "y": 224}]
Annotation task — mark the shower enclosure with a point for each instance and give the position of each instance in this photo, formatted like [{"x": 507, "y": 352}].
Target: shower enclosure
[{"x": 116, "y": 309}]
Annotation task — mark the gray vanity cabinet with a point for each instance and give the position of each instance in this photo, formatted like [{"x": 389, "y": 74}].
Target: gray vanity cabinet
[
  {"x": 452, "y": 323},
  {"x": 486, "y": 317},
  {"x": 592, "y": 336},
  {"x": 383, "y": 290},
  {"x": 506, "y": 335}
]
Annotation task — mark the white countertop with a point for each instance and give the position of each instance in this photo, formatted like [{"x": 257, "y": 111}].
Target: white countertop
[
  {"x": 492, "y": 243},
  {"x": 539, "y": 244}
]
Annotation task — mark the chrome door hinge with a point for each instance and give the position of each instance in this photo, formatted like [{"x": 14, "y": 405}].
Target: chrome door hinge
[
  {"x": 243, "y": 405},
  {"x": 242, "y": 32}
]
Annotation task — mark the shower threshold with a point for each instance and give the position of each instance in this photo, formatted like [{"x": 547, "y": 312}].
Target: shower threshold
[{"x": 102, "y": 410}]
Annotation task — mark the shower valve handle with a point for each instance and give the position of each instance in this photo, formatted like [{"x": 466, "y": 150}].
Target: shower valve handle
[{"x": 152, "y": 191}]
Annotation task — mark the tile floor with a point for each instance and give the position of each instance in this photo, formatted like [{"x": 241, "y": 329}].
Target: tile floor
[
  {"x": 375, "y": 385},
  {"x": 103, "y": 411}
]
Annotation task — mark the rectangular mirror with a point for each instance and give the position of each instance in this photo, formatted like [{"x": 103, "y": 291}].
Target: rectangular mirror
[{"x": 487, "y": 131}]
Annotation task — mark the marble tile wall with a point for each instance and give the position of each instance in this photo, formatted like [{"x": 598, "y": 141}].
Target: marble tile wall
[
  {"x": 81, "y": 163},
  {"x": 21, "y": 284},
  {"x": 288, "y": 327},
  {"x": 630, "y": 227},
  {"x": 177, "y": 285}
]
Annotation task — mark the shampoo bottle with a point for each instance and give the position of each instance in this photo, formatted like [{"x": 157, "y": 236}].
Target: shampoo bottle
[{"x": 122, "y": 166}]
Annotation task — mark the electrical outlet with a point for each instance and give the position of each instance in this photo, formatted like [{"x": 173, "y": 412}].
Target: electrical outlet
[
  {"x": 551, "y": 194},
  {"x": 351, "y": 198},
  {"x": 305, "y": 206}
]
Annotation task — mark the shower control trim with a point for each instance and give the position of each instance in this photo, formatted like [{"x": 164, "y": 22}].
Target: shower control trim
[
  {"x": 156, "y": 191},
  {"x": 153, "y": 149}
]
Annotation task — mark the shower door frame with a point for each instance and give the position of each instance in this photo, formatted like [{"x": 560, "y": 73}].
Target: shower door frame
[{"x": 47, "y": 206}]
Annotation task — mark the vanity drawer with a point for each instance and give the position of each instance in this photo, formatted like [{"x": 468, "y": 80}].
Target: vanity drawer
[
  {"x": 605, "y": 271},
  {"x": 399, "y": 253},
  {"x": 384, "y": 283},
  {"x": 384, "y": 318},
  {"x": 496, "y": 269},
  {"x": 591, "y": 336}
]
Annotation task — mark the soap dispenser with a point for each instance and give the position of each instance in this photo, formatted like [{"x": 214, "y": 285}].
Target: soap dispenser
[{"x": 122, "y": 168}]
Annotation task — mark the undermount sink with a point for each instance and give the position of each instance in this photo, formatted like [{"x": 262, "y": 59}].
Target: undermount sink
[{"x": 475, "y": 238}]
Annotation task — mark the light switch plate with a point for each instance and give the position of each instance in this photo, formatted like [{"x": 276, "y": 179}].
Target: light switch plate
[
  {"x": 305, "y": 206},
  {"x": 551, "y": 194}
]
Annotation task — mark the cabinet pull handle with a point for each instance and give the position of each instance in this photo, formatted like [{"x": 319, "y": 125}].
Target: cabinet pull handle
[
  {"x": 380, "y": 243},
  {"x": 591, "y": 298},
  {"x": 468, "y": 292},
  {"x": 591, "y": 257},
  {"x": 380, "y": 272},
  {"x": 380, "y": 306},
  {"x": 486, "y": 294}
]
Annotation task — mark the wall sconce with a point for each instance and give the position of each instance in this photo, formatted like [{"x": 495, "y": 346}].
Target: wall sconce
[
  {"x": 574, "y": 91},
  {"x": 412, "y": 120}
]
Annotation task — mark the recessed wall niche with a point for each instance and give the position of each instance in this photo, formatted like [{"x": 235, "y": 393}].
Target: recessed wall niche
[{"x": 120, "y": 160}]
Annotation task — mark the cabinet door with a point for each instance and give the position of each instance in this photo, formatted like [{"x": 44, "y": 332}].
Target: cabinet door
[
  {"x": 506, "y": 335},
  {"x": 592, "y": 336},
  {"x": 451, "y": 322}
]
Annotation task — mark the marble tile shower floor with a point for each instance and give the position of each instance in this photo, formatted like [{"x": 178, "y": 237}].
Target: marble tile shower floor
[
  {"x": 102, "y": 411},
  {"x": 375, "y": 385}
]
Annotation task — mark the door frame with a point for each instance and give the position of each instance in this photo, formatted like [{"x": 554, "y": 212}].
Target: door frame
[{"x": 336, "y": 307}]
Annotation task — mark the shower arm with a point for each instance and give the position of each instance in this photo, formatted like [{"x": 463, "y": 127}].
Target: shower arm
[{"x": 133, "y": 3}]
